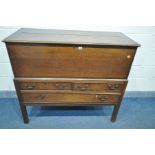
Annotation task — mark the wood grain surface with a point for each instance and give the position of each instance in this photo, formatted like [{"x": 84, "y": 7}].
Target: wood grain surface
[
  {"x": 26, "y": 35},
  {"x": 70, "y": 62}
]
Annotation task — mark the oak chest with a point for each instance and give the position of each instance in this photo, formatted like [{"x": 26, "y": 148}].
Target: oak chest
[{"x": 70, "y": 68}]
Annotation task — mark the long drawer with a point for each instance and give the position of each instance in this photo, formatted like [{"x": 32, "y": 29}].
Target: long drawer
[
  {"x": 55, "y": 97},
  {"x": 73, "y": 85},
  {"x": 31, "y": 60}
]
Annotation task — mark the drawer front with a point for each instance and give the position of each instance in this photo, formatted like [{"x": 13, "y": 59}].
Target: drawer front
[
  {"x": 28, "y": 97},
  {"x": 103, "y": 87},
  {"x": 74, "y": 62},
  {"x": 45, "y": 85},
  {"x": 73, "y": 85}
]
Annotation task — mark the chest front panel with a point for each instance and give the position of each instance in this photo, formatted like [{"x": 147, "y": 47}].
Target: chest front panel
[{"x": 72, "y": 61}]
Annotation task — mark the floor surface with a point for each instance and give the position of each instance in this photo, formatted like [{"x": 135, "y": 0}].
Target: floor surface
[{"x": 135, "y": 113}]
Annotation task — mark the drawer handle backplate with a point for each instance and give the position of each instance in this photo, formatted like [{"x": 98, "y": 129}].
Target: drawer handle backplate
[
  {"x": 61, "y": 86},
  {"x": 83, "y": 87},
  {"x": 113, "y": 86},
  {"x": 101, "y": 97},
  {"x": 27, "y": 86},
  {"x": 40, "y": 97}
]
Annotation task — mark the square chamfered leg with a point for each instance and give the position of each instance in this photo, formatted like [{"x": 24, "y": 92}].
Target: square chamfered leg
[
  {"x": 22, "y": 106},
  {"x": 115, "y": 112},
  {"x": 24, "y": 113},
  {"x": 117, "y": 106}
]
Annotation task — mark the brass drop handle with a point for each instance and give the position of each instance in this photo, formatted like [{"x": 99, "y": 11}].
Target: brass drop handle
[
  {"x": 102, "y": 97},
  {"x": 29, "y": 86},
  {"x": 113, "y": 86},
  {"x": 61, "y": 86},
  {"x": 57, "y": 85},
  {"x": 83, "y": 87},
  {"x": 40, "y": 97}
]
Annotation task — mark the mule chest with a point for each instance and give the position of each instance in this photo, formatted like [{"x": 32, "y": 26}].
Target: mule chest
[{"x": 70, "y": 68}]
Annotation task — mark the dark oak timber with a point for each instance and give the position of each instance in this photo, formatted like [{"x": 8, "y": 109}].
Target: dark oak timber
[
  {"x": 21, "y": 104},
  {"x": 70, "y": 37},
  {"x": 70, "y": 68}
]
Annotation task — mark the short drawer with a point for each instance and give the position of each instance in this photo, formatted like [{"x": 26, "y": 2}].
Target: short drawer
[
  {"x": 34, "y": 97},
  {"x": 45, "y": 85},
  {"x": 111, "y": 86}
]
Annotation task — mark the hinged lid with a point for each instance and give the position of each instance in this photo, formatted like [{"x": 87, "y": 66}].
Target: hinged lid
[{"x": 27, "y": 35}]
